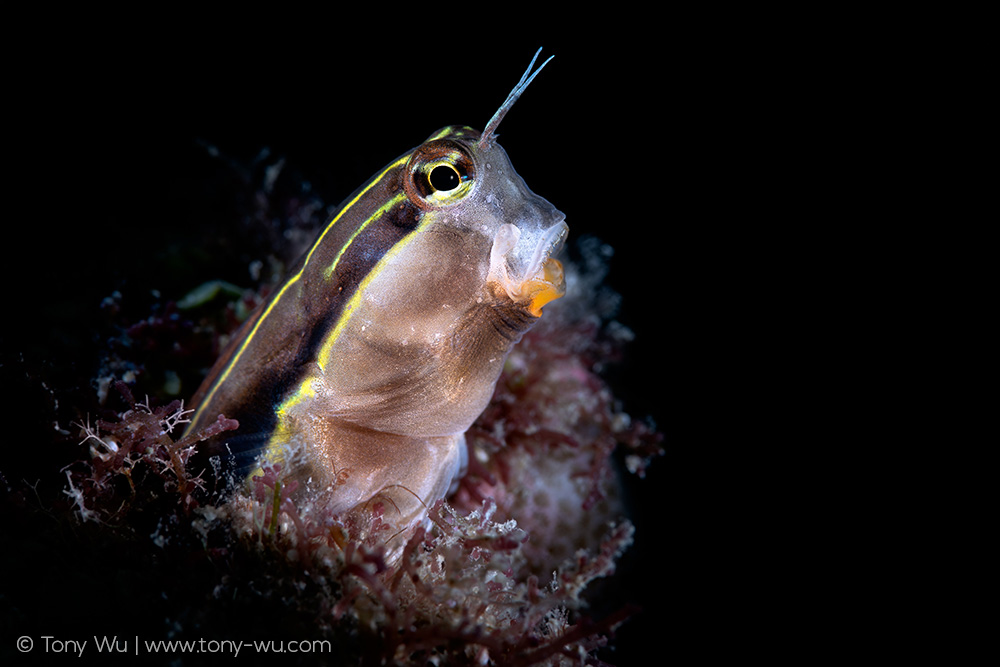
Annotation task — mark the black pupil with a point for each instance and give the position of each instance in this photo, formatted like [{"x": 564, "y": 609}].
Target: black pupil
[{"x": 444, "y": 178}]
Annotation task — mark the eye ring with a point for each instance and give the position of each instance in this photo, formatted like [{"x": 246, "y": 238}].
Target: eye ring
[{"x": 439, "y": 173}]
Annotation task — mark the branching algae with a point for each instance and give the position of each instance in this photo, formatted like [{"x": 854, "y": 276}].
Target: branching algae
[{"x": 410, "y": 486}]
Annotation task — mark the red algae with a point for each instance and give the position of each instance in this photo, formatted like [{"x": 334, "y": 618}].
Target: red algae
[{"x": 501, "y": 572}]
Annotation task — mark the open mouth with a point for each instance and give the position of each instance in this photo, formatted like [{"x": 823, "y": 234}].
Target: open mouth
[{"x": 522, "y": 264}]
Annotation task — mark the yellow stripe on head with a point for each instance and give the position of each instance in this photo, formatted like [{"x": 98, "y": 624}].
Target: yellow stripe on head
[
  {"x": 294, "y": 279},
  {"x": 324, "y": 357}
]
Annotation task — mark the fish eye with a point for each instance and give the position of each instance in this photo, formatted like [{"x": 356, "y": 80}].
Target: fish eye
[
  {"x": 439, "y": 173},
  {"x": 445, "y": 177}
]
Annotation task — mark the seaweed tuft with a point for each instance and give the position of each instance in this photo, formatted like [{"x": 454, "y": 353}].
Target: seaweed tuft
[{"x": 127, "y": 522}]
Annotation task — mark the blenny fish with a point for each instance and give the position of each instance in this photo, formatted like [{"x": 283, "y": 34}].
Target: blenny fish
[{"x": 368, "y": 364}]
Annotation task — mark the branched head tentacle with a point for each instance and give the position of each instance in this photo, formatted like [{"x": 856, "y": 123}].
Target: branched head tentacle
[{"x": 526, "y": 79}]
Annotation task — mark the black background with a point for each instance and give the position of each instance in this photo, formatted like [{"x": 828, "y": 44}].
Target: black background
[{"x": 106, "y": 144}]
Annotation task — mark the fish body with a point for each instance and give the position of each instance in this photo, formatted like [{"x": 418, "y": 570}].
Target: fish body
[{"x": 368, "y": 364}]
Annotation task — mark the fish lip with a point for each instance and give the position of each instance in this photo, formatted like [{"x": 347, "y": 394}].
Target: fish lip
[
  {"x": 549, "y": 245},
  {"x": 546, "y": 247},
  {"x": 555, "y": 237},
  {"x": 521, "y": 262}
]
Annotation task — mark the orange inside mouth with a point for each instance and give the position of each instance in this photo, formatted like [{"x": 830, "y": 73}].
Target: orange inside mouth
[{"x": 549, "y": 287}]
